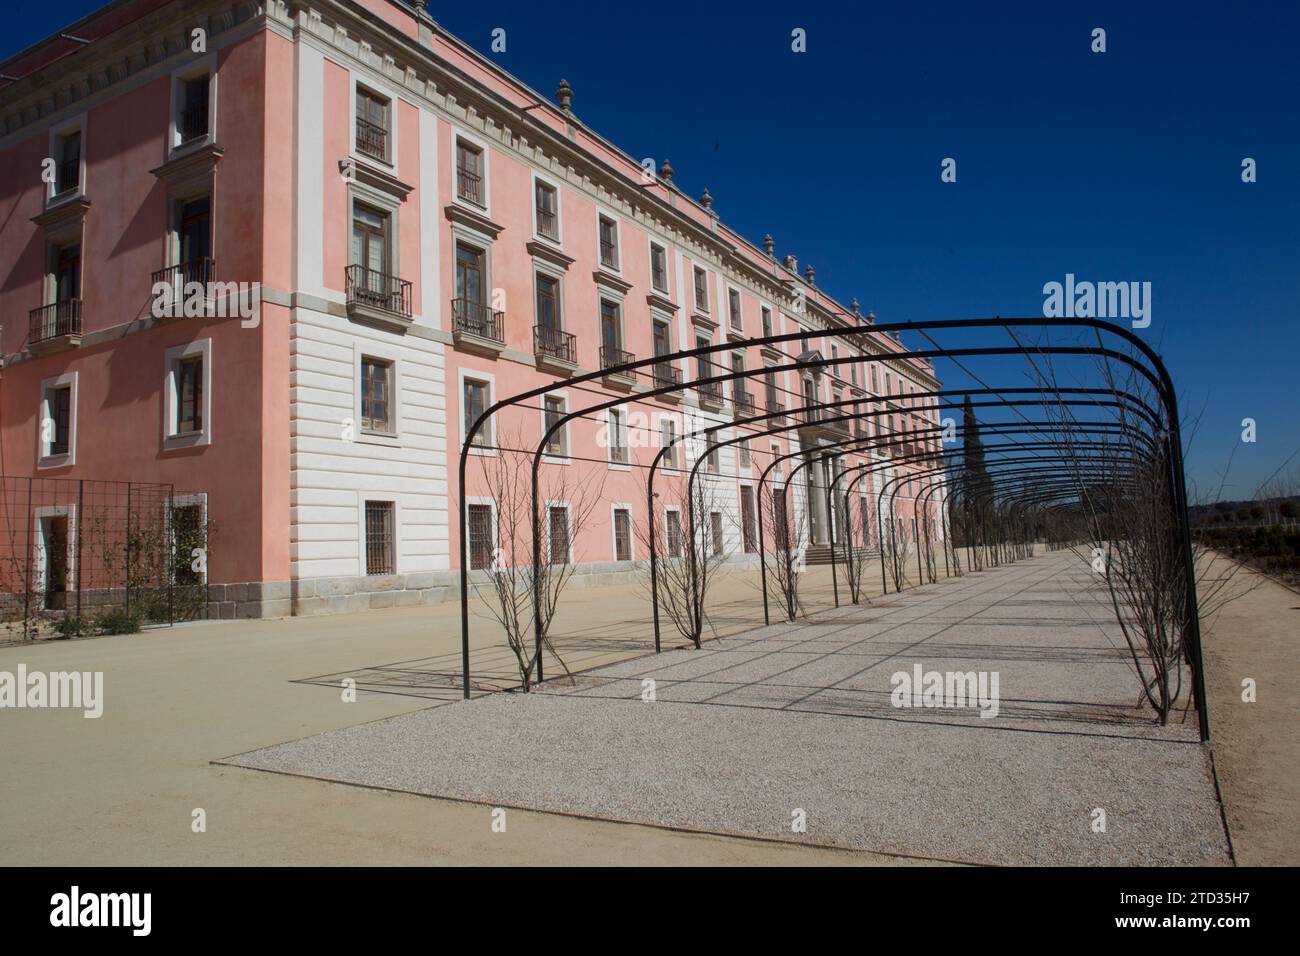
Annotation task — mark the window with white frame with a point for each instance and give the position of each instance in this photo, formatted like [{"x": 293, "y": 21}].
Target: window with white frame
[
  {"x": 374, "y": 125},
  {"x": 767, "y": 321},
  {"x": 187, "y": 395},
  {"x": 67, "y": 149},
  {"x": 471, "y": 184},
  {"x": 673, "y": 532},
  {"x": 377, "y": 386},
  {"x": 617, "y": 437},
  {"x": 607, "y": 234},
  {"x": 558, "y": 516},
  {"x": 557, "y": 445},
  {"x": 668, "y": 436},
  {"x": 476, "y": 400},
  {"x": 546, "y": 207},
  {"x": 192, "y": 101},
  {"x": 658, "y": 267},
  {"x": 622, "y": 534},
  {"x": 58, "y": 422},
  {"x": 733, "y": 309},
  {"x": 701, "y": 290},
  {"x": 381, "y": 538}
]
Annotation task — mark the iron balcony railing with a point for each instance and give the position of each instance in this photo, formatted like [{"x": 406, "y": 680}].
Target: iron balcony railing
[
  {"x": 194, "y": 123},
  {"x": 69, "y": 175},
  {"x": 202, "y": 270},
  {"x": 555, "y": 343},
  {"x": 372, "y": 139},
  {"x": 710, "y": 392},
  {"x": 378, "y": 290},
  {"x": 53, "y": 320},
  {"x": 665, "y": 374},
  {"x": 478, "y": 319},
  {"x": 611, "y": 357},
  {"x": 775, "y": 408},
  {"x": 744, "y": 403},
  {"x": 469, "y": 185}
]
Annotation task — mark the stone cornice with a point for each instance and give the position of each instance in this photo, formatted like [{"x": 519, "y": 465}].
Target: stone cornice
[
  {"x": 159, "y": 39},
  {"x": 548, "y": 253}
]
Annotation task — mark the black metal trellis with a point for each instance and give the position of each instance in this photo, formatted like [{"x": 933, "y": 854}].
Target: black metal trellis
[{"x": 1151, "y": 368}]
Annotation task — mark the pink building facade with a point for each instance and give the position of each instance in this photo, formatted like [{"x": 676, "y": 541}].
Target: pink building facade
[{"x": 387, "y": 232}]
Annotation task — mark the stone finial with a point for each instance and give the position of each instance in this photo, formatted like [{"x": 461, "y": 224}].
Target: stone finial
[
  {"x": 666, "y": 171},
  {"x": 792, "y": 263},
  {"x": 810, "y": 275},
  {"x": 564, "y": 95},
  {"x": 706, "y": 200},
  {"x": 769, "y": 246},
  {"x": 856, "y": 307},
  {"x": 871, "y": 317}
]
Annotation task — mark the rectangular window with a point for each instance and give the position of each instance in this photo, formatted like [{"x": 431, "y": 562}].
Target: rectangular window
[
  {"x": 748, "y": 521},
  {"x": 742, "y": 450},
  {"x": 376, "y": 394},
  {"x": 372, "y": 124},
  {"x": 189, "y": 395},
  {"x": 715, "y": 532},
  {"x": 67, "y": 273},
  {"x": 769, "y": 385},
  {"x": 482, "y": 542},
  {"x": 548, "y": 304},
  {"x": 59, "y": 405},
  {"x": 469, "y": 173},
  {"x": 559, "y": 535},
  {"x": 610, "y": 332},
  {"x": 711, "y": 451},
  {"x": 733, "y": 308},
  {"x": 874, "y": 384},
  {"x": 368, "y": 279},
  {"x": 547, "y": 207},
  {"x": 379, "y": 537},
  {"x": 192, "y": 123},
  {"x": 668, "y": 435},
  {"x": 557, "y": 444},
  {"x": 608, "y": 230},
  {"x": 674, "y": 533},
  {"x": 618, "y": 450},
  {"x": 476, "y": 403},
  {"x": 194, "y": 239},
  {"x": 701, "y": 290},
  {"x": 776, "y": 460},
  {"x": 767, "y": 321},
  {"x": 622, "y": 534},
  {"x": 658, "y": 267},
  {"x": 69, "y": 171}
]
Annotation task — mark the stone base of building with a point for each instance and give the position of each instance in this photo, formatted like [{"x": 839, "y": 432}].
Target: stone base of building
[{"x": 350, "y": 594}]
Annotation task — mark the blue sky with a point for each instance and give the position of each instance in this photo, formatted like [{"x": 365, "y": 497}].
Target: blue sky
[{"x": 1117, "y": 166}]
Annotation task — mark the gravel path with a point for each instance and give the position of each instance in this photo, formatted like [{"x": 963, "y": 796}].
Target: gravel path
[{"x": 750, "y": 731}]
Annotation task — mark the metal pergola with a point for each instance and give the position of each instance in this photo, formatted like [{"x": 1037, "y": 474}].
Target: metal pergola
[{"x": 1063, "y": 457}]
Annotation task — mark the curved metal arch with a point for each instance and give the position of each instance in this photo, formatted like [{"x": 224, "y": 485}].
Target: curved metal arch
[{"x": 1156, "y": 374}]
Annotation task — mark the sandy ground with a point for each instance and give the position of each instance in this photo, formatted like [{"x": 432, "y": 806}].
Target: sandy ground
[
  {"x": 122, "y": 789},
  {"x": 1256, "y": 745}
]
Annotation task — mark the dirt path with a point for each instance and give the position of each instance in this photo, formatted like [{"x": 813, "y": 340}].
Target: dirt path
[{"x": 1256, "y": 746}]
